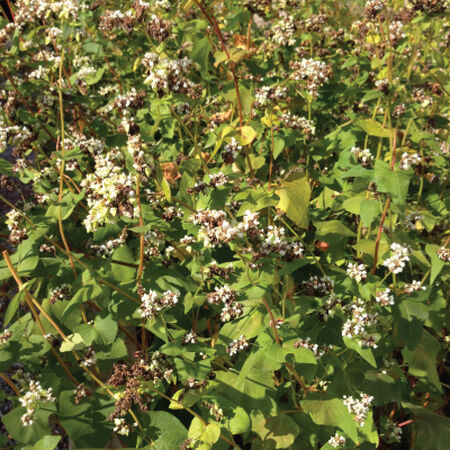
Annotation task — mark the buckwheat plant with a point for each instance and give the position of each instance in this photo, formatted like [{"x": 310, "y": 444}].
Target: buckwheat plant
[{"x": 224, "y": 224}]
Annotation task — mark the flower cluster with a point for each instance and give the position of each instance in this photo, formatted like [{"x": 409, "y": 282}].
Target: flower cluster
[
  {"x": 408, "y": 160},
  {"x": 213, "y": 269},
  {"x": 363, "y": 156},
  {"x": 17, "y": 231},
  {"x": 360, "y": 408},
  {"x": 190, "y": 338},
  {"x": 89, "y": 359},
  {"x": 110, "y": 191},
  {"x": 443, "y": 253},
  {"x": 33, "y": 396},
  {"x": 215, "y": 228},
  {"x": 360, "y": 325},
  {"x": 238, "y": 345},
  {"x": 290, "y": 120},
  {"x": 166, "y": 75},
  {"x": 337, "y": 440},
  {"x": 314, "y": 72},
  {"x": 283, "y": 31},
  {"x": 121, "y": 427},
  {"x": 60, "y": 293},
  {"x": 110, "y": 245},
  {"x": 214, "y": 411},
  {"x": 315, "y": 348},
  {"x": 226, "y": 296},
  {"x": 318, "y": 286},
  {"x": 269, "y": 95},
  {"x": 130, "y": 380},
  {"x": 232, "y": 150},
  {"x": 396, "y": 263},
  {"x": 385, "y": 298},
  {"x": 5, "y": 335},
  {"x": 414, "y": 286},
  {"x": 392, "y": 432},
  {"x": 152, "y": 303},
  {"x": 274, "y": 242},
  {"x": 357, "y": 272}
]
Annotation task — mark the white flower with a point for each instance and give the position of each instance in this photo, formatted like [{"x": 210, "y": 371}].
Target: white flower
[
  {"x": 385, "y": 298},
  {"x": 359, "y": 408},
  {"x": 397, "y": 262},
  {"x": 357, "y": 272},
  {"x": 414, "y": 286},
  {"x": 337, "y": 440}
]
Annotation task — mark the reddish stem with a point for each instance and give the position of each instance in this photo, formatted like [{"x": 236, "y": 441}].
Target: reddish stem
[
  {"x": 406, "y": 422},
  {"x": 11, "y": 11}
]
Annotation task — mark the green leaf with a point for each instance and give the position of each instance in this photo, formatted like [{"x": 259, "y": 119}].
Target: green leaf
[
  {"x": 294, "y": 196},
  {"x": 331, "y": 413},
  {"x": 431, "y": 428},
  {"x": 373, "y": 128},
  {"x": 74, "y": 342},
  {"x": 410, "y": 317},
  {"x": 436, "y": 263},
  {"x": 365, "y": 353},
  {"x": 13, "y": 306},
  {"x": 46, "y": 443},
  {"x": 121, "y": 272},
  {"x": 333, "y": 227},
  {"x": 240, "y": 421},
  {"x": 276, "y": 432},
  {"x": 294, "y": 265},
  {"x": 200, "y": 53},
  {"x": 394, "y": 183},
  {"x": 207, "y": 436},
  {"x": 95, "y": 78},
  {"x": 33, "y": 433},
  {"x": 65, "y": 207},
  {"x": 170, "y": 432},
  {"x": 371, "y": 95},
  {"x": 5, "y": 167},
  {"x": 248, "y": 135},
  {"x": 107, "y": 329},
  {"x": 422, "y": 360},
  {"x": 369, "y": 211},
  {"x": 278, "y": 146}
]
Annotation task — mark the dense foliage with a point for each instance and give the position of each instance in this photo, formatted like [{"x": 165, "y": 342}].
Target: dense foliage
[{"x": 226, "y": 224}]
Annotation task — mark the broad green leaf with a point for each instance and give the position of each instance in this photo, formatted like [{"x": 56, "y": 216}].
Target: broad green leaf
[
  {"x": 122, "y": 272},
  {"x": 165, "y": 430},
  {"x": 200, "y": 53},
  {"x": 33, "y": 433},
  {"x": 422, "y": 360},
  {"x": 73, "y": 342},
  {"x": 394, "y": 183},
  {"x": 369, "y": 211},
  {"x": 239, "y": 422},
  {"x": 331, "y": 412},
  {"x": 373, "y": 128},
  {"x": 436, "y": 263},
  {"x": 248, "y": 135},
  {"x": 430, "y": 428},
  {"x": 46, "y": 443},
  {"x": 206, "y": 435},
  {"x": 334, "y": 227},
  {"x": 294, "y": 196},
  {"x": 364, "y": 352},
  {"x": 106, "y": 328},
  {"x": 276, "y": 432}
]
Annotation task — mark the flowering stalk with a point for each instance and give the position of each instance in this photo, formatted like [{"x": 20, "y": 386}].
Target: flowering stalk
[{"x": 61, "y": 171}]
